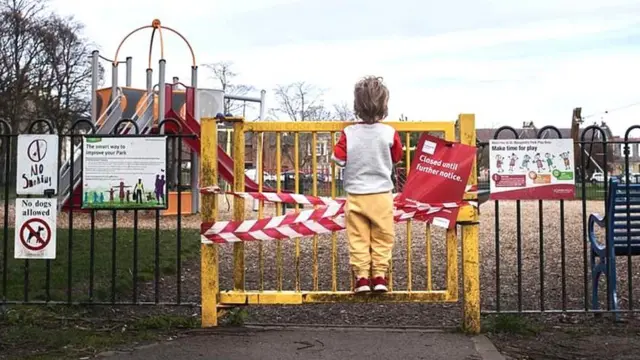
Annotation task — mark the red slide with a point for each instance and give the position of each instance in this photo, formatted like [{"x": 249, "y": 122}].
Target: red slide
[{"x": 191, "y": 126}]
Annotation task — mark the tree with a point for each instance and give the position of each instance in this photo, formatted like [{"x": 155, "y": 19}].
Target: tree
[
  {"x": 20, "y": 46},
  {"x": 65, "y": 80},
  {"x": 344, "y": 112},
  {"x": 44, "y": 67},
  {"x": 299, "y": 101},
  {"x": 223, "y": 73},
  {"x": 18, "y": 50}
]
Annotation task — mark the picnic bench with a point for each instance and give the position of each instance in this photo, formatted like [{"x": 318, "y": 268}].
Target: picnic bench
[{"x": 622, "y": 226}]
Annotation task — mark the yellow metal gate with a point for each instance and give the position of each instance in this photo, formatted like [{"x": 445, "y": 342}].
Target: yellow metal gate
[{"x": 213, "y": 296}]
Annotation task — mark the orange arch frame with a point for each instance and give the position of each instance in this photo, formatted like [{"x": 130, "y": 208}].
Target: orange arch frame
[{"x": 155, "y": 25}]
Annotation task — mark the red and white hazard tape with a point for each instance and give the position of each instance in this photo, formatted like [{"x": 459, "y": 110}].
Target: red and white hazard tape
[
  {"x": 307, "y": 216},
  {"x": 323, "y": 220},
  {"x": 286, "y": 198},
  {"x": 252, "y": 230}
]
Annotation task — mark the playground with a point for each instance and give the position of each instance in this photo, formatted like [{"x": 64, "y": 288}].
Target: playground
[{"x": 139, "y": 237}]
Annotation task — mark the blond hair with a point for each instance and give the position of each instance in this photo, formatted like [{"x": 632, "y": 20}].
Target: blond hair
[{"x": 370, "y": 99}]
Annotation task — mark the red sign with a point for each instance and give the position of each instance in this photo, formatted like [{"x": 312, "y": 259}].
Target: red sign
[{"x": 439, "y": 174}]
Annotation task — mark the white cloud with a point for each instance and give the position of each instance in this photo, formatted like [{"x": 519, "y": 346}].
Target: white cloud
[{"x": 432, "y": 76}]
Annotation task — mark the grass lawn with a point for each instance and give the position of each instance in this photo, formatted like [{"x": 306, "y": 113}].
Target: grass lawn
[
  {"x": 12, "y": 192},
  {"x": 102, "y": 264},
  {"x": 71, "y": 332},
  {"x": 591, "y": 191}
]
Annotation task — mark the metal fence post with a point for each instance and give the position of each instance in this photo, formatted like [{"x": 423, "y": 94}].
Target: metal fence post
[
  {"x": 209, "y": 277},
  {"x": 238, "y": 204},
  {"x": 470, "y": 241}
]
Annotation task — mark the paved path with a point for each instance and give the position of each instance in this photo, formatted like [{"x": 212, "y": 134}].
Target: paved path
[{"x": 319, "y": 343}]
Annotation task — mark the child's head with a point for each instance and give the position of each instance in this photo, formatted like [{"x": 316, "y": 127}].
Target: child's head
[{"x": 370, "y": 99}]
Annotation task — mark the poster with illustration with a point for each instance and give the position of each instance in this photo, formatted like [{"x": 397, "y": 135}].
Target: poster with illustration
[
  {"x": 531, "y": 169},
  {"x": 126, "y": 172}
]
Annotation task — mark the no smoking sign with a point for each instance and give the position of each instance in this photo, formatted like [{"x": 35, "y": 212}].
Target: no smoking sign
[
  {"x": 35, "y": 236},
  {"x": 37, "y": 167}
]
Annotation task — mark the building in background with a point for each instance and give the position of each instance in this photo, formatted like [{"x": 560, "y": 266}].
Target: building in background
[{"x": 634, "y": 155}]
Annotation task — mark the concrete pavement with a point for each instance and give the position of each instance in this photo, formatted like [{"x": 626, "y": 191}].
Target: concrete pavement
[{"x": 311, "y": 343}]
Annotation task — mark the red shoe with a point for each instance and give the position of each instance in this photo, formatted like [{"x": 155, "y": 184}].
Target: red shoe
[
  {"x": 362, "y": 285},
  {"x": 380, "y": 284}
]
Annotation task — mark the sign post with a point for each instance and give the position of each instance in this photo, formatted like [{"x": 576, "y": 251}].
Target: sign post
[
  {"x": 37, "y": 167},
  {"x": 35, "y": 229}
]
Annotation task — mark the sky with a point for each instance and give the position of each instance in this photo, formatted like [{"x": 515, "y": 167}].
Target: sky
[{"x": 505, "y": 61}]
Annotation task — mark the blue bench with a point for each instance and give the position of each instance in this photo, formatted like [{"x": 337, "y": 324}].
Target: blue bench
[{"x": 623, "y": 224}]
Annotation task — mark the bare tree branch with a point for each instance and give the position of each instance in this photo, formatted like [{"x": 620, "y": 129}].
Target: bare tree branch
[
  {"x": 223, "y": 73},
  {"x": 44, "y": 66},
  {"x": 64, "y": 79},
  {"x": 299, "y": 101},
  {"x": 343, "y": 112},
  {"x": 20, "y": 46}
]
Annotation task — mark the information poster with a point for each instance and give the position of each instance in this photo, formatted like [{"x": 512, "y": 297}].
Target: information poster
[
  {"x": 439, "y": 174},
  {"x": 532, "y": 169},
  {"x": 126, "y": 172}
]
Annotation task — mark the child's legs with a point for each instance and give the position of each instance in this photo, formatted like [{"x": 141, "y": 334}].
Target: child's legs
[
  {"x": 382, "y": 232},
  {"x": 359, "y": 235}
]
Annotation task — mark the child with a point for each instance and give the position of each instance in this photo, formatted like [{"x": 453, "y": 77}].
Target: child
[{"x": 367, "y": 150}]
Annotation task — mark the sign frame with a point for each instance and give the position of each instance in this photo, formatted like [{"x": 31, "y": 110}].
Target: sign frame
[
  {"x": 116, "y": 206},
  {"x": 532, "y": 169}
]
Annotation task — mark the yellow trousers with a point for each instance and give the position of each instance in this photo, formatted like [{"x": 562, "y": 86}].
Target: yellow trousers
[{"x": 370, "y": 229}]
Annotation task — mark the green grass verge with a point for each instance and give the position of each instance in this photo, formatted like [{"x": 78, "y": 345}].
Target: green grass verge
[
  {"x": 12, "y": 192},
  {"x": 511, "y": 324},
  {"x": 80, "y": 264},
  {"x": 591, "y": 191},
  {"x": 48, "y": 333}
]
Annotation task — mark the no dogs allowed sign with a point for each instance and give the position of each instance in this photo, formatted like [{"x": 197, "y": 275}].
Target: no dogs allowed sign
[{"x": 35, "y": 230}]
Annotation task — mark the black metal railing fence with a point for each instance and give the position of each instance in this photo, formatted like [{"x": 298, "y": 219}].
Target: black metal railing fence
[
  {"x": 104, "y": 257},
  {"x": 536, "y": 254}
]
